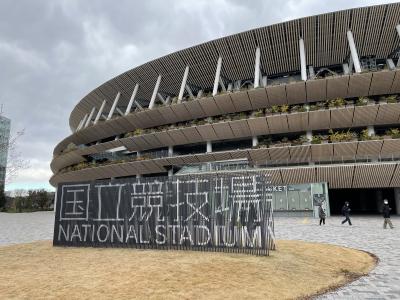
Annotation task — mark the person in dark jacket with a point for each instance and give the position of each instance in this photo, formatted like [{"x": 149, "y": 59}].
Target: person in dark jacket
[
  {"x": 386, "y": 214},
  {"x": 346, "y": 212},
  {"x": 322, "y": 215}
]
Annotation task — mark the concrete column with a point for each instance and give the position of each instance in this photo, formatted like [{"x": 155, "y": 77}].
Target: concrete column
[
  {"x": 217, "y": 76},
  {"x": 390, "y": 64},
  {"x": 100, "y": 112},
  {"x": 255, "y": 141},
  {"x": 371, "y": 130},
  {"x": 183, "y": 84},
  {"x": 362, "y": 196},
  {"x": 90, "y": 117},
  {"x": 134, "y": 93},
  {"x": 209, "y": 147},
  {"x": 303, "y": 66},
  {"x": 353, "y": 51},
  {"x": 170, "y": 150},
  {"x": 311, "y": 72},
  {"x": 379, "y": 200},
  {"x": 309, "y": 135},
  {"x": 170, "y": 172},
  {"x": 138, "y": 154},
  {"x": 155, "y": 91},
  {"x": 264, "y": 81},
  {"x": 221, "y": 82},
  {"x": 138, "y": 176},
  {"x": 346, "y": 69},
  {"x": 351, "y": 64},
  {"x": 110, "y": 114},
  {"x": 257, "y": 69},
  {"x": 237, "y": 84},
  {"x": 189, "y": 90},
  {"x": 397, "y": 200},
  {"x": 309, "y": 138}
]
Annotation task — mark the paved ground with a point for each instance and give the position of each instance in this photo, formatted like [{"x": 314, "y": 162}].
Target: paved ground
[
  {"x": 25, "y": 227},
  {"x": 366, "y": 234}
]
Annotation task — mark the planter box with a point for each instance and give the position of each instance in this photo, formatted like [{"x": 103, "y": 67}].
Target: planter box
[{"x": 280, "y": 145}]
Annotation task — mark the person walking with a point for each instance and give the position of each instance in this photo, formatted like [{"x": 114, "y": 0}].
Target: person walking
[
  {"x": 322, "y": 215},
  {"x": 346, "y": 213},
  {"x": 386, "y": 214}
]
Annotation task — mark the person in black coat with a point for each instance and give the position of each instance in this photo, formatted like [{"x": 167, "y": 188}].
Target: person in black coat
[
  {"x": 386, "y": 214},
  {"x": 346, "y": 212},
  {"x": 322, "y": 215}
]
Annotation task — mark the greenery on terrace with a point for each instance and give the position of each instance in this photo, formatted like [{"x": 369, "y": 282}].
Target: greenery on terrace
[
  {"x": 332, "y": 136},
  {"x": 274, "y": 109}
]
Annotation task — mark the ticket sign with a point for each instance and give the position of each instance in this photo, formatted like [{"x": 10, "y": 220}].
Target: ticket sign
[{"x": 208, "y": 213}]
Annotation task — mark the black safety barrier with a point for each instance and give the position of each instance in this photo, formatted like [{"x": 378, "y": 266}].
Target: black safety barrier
[{"x": 213, "y": 212}]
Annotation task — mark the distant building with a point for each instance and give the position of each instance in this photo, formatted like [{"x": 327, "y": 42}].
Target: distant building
[{"x": 5, "y": 125}]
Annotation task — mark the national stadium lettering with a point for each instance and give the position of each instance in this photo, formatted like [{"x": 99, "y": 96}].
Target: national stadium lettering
[{"x": 209, "y": 213}]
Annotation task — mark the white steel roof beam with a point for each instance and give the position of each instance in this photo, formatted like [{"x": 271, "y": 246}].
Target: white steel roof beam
[
  {"x": 138, "y": 105},
  {"x": 119, "y": 111},
  {"x": 303, "y": 65},
  {"x": 217, "y": 76},
  {"x": 189, "y": 90},
  {"x": 83, "y": 122},
  {"x": 132, "y": 100},
  {"x": 353, "y": 51},
  {"x": 155, "y": 91},
  {"x": 183, "y": 84},
  {"x": 257, "y": 73},
  {"x": 110, "y": 114},
  {"x": 161, "y": 98},
  {"x": 79, "y": 125},
  {"x": 99, "y": 113},
  {"x": 90, "y": 117}
]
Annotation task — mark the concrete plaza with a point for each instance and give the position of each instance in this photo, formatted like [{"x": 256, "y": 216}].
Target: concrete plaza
[{"x": 365, "y": 234}]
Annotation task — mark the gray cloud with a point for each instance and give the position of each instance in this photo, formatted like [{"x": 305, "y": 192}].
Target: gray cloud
[{"x": 52, "y": 53}]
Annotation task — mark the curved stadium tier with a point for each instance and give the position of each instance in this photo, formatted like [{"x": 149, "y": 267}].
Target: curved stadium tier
[{"x": 309, "y": 100}]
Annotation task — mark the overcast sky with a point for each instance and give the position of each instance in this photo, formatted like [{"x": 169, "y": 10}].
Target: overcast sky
[{"x": 52, "y": 53}]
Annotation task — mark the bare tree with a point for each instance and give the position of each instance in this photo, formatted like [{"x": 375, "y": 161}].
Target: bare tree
[
  {"x": 15, "y": 161},
  {"x": 19, "y": 199}
]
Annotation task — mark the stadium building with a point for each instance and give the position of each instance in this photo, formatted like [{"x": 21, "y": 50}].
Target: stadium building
[{"x": 313, "y": 102}]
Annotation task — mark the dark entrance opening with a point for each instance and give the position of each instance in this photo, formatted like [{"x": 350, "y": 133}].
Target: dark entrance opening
[{"x": 362, "y": 201}]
